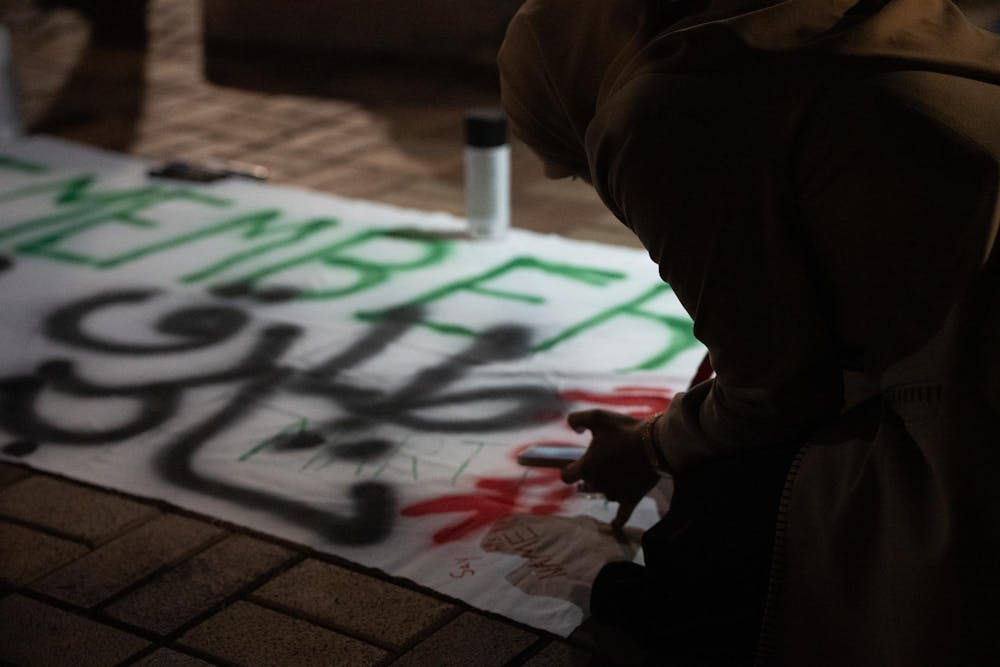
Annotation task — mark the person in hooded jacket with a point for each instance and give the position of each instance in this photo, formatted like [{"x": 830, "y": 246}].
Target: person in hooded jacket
[{"x": 819, "y": 183}]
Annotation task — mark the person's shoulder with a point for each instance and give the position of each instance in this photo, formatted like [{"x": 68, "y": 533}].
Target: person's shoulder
[
  {"x": 930, "y": 106},
  {"x": 656, "y": 109},
  {"x": 654, "y": 94}
]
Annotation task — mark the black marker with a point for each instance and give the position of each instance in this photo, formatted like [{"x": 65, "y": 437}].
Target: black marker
[
  {"x": 179, "y": 170},
  {"x": 550, "y": 456}
]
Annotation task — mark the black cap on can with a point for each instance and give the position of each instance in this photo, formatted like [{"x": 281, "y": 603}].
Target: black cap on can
[{"x": 485, "y": 128}]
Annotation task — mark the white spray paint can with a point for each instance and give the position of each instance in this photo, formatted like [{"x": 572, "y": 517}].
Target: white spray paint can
[
  {"x": 10, "y": 120},
  {"x": 487, "y": 173}
]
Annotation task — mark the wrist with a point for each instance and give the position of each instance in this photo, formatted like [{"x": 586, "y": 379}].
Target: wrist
[{"x": 655, "y": 456}]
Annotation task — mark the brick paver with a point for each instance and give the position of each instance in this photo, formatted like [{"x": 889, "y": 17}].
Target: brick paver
[
  {"x": 10, "y": 474},
  {"x": 124, "y": 561},
  {"x": 355, "y": 603},
  {"x": 196, "y": 585},
  {"x": 27, "y": 554},
  {"x": 247, "y": 634},
  {"x": 351, "y": 181},
  {"x": 72, "y": 510},
  {"x": 429, "y": 194},
  {"x": 34, "y": 633},
  {"x": 471, "y": 639},
  {"x": 559, "y": 654},
  {"x": 165, "y": 657}
]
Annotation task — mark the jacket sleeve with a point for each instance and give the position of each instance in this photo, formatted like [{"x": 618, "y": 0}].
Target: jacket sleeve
[{"x": 699, "y": 190}]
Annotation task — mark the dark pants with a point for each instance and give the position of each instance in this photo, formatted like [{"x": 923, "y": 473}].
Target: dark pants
[{"x": 700, "y": 598}]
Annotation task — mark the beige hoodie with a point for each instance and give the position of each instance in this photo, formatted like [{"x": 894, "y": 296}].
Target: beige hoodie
[{"x": 818, "y": 182}]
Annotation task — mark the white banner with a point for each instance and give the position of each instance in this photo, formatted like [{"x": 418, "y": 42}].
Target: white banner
[{"x": 353, "y": 377}]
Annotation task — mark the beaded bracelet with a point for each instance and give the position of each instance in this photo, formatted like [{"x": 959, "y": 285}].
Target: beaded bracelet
[{"x": 653, "y": 452}]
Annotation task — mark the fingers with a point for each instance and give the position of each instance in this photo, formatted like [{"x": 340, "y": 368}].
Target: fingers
[
  {"x": 584, "y": 420},
  {"x": 580, "y": 421},
  {"x": 625, "y": 509},
  {"x": 574, "y": 471}
]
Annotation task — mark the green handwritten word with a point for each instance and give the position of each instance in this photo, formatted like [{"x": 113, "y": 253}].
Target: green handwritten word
[
  {"x": 468, "y": 460},
  {"x": 12, "y": 163},
  {"x": 681, "y": 329},
  {"x": 250, "y": 226},
  {"x": 368, "y": 273},
  {"x": 321, "y": 454},
  {"x": 294, "y": 428},
  {"x": 80, "y": 209},
  {"x": 478, "y": 285},
  {"x": 415, "y": 462}
]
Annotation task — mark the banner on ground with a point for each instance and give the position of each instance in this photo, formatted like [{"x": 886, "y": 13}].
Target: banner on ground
[{"x": 353, "y": 377}]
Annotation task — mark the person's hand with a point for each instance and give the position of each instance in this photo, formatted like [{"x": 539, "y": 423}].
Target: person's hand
[{"x": 615, "y": 464}]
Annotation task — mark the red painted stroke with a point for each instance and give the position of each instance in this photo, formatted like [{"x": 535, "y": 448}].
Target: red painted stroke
[
  {"x": 704, "y": 372},
  {"x": 498, "y": 497},
  {"x": 643, "y": 401},
  {"x": 502, "y": 498}
]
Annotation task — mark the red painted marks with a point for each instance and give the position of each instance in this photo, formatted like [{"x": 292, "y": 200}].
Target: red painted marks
[
  {"x": 643, "y": 401},
  {"x": 464, "y": 567},
  {"x": 497, "y": 498},
  {"x": 538, "y": 491},
  {"x": 704, "y": 372}
]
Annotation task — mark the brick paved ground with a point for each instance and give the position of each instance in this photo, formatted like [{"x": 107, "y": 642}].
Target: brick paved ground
[{"x": 91, "y": 577}]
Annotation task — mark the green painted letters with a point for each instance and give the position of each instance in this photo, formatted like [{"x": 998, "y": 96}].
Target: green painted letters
[
  {"x": 11, "y": 163},
  {"x": 476, "y": 284},
  {"x": 79, "y": 208},
  {"x": 681, "y": 331},
  {"x": 367, "y": 273}
]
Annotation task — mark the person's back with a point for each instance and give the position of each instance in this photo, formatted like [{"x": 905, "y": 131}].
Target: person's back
[
  {"x": 818, "y": 183},
  {"x": 886, "y": 557},
  {"x": 897, "y": 176}
]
